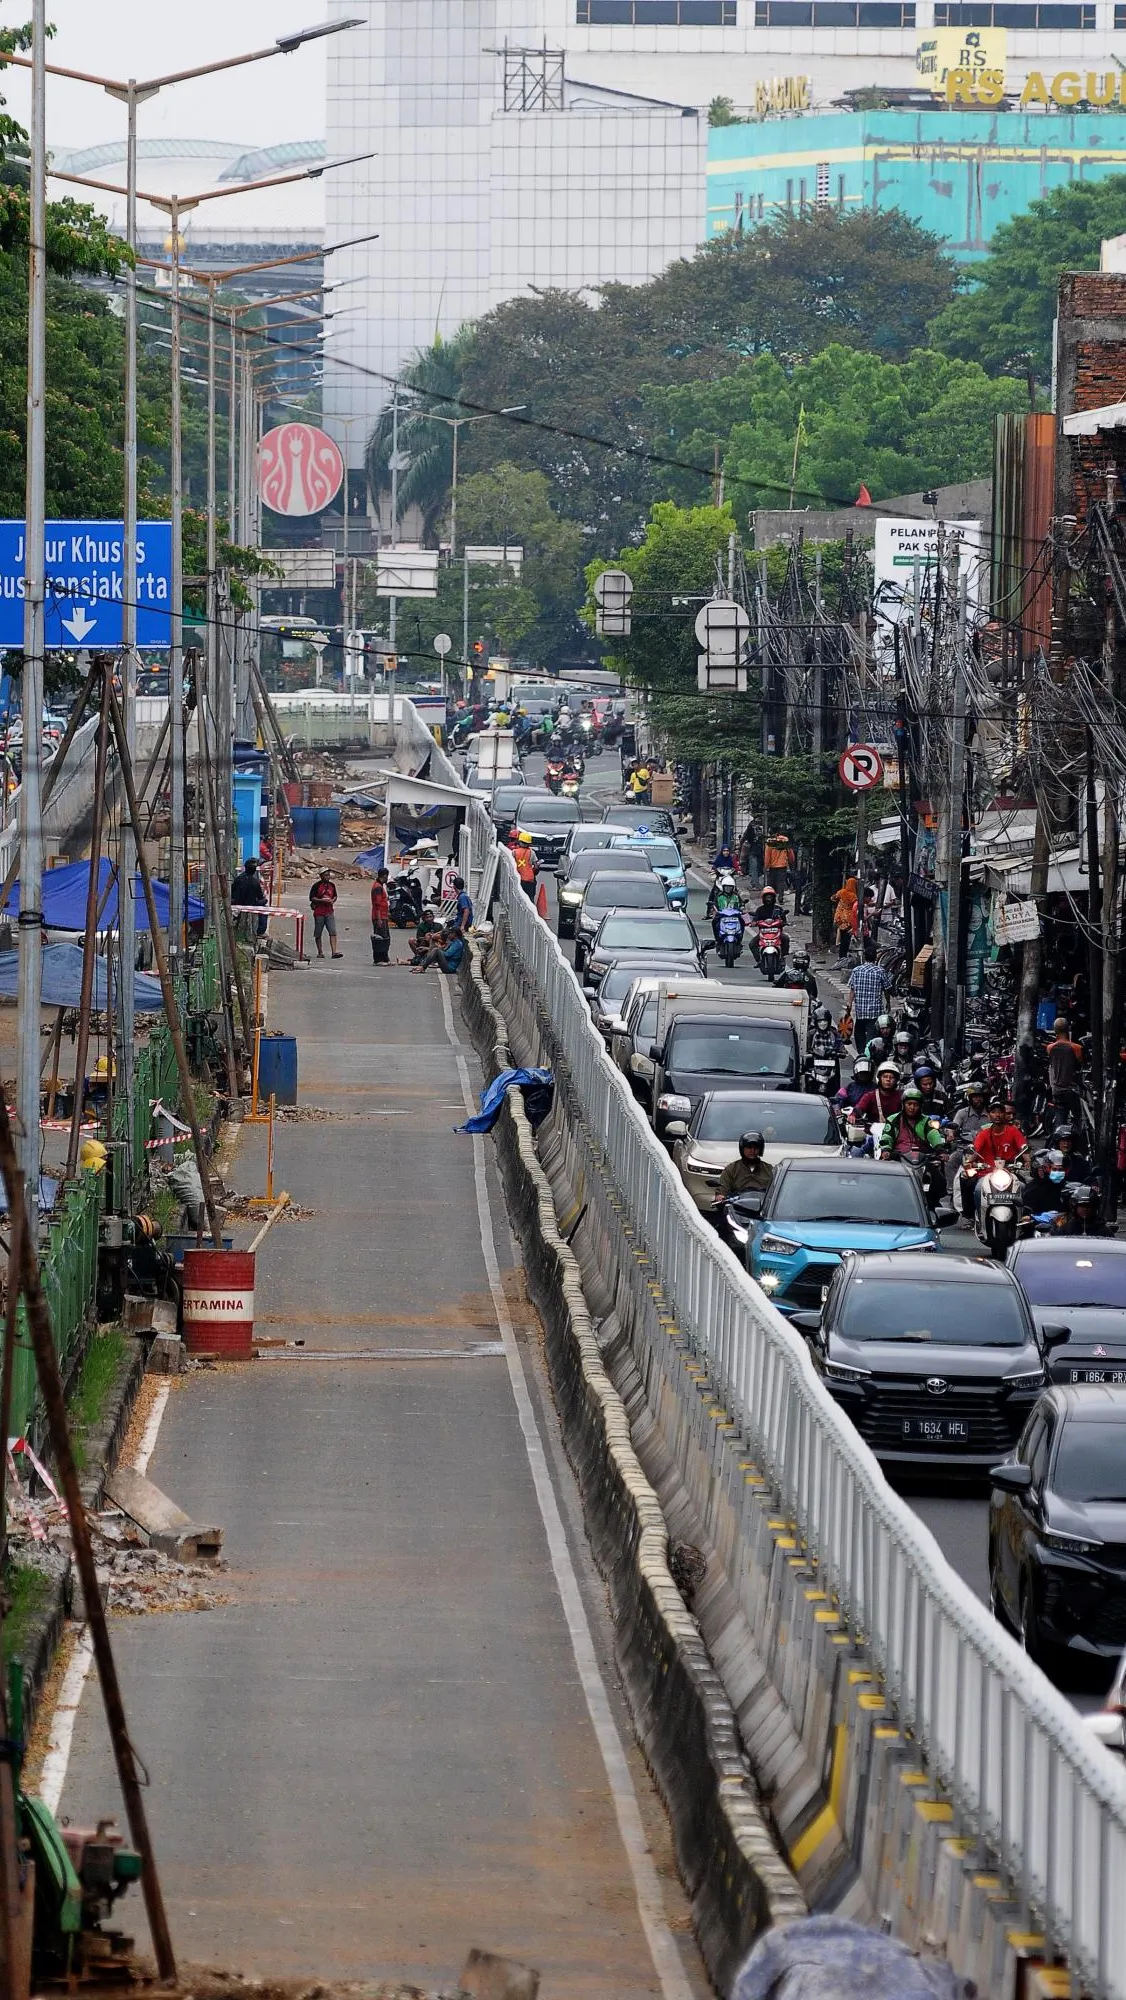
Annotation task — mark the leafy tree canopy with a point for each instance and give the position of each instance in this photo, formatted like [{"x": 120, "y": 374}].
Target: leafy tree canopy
[
  {"x": 1004, "y": 320},
  {"x": 430, "y": 393},
  {"x": 895, "y": 426}
]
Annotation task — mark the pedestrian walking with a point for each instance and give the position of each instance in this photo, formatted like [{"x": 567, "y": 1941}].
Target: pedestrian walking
[
  {"x": 1065, "y": 1060},
  {"x": 845, "y": 916},
  {"x": 868, "y": 987},
  {"x": 380, "y": 920},
  {"x": 322, "y": 901}
]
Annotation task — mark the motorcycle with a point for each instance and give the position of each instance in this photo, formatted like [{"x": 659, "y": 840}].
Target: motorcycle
[
  {"x": 568, "y": 787},
  {"x": 405, "y": 901},
  {"x": 728, "y": 927},
  {"x": 998, "y": 1211},
  {"x": 769, "y": 947},
  {"x": 823, "y": 1067},
  {"x": 553, "y": 773}
]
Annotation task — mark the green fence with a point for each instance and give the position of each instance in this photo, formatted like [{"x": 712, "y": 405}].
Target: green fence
[{"x": 70, "y": 1260}]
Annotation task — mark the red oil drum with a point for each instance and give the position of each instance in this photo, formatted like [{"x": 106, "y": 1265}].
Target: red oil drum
[{"x": 219, "y": 1303}]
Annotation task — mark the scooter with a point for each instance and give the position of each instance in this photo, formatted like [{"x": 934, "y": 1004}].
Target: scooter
[
  {"x": 728, "y": 927},
  {"x": 768, "y": 947},
  {"x": 823, "y": 1067},
  {"x": 405, "y": 901},
  {"x": 568, "y": 786},
  {"x": 553, "y": 774},
  {"x": 998, "y": 1211}
]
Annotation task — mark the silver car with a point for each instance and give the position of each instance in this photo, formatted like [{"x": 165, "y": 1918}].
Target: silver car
[{"x": 794, "y": 1127}]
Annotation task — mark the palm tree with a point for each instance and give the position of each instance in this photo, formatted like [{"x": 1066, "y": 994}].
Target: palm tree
[{"x": 430, "y": 383}]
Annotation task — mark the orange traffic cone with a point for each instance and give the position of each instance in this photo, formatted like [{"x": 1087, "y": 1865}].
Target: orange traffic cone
[{"x": 541, "y": 902}]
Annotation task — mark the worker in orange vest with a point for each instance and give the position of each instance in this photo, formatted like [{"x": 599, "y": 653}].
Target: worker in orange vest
[
  {"x": 777, "y": 861},
  {"x": 526, "y": 864}
]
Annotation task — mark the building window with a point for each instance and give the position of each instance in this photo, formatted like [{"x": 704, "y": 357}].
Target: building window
[
  {"x": 821, "y": 196},
  {"x": 740, "y": 210},
  {"x": 837, "y": 13},
  {"x": 656, "y": 13},
  {"x": 1016, "y": 14},
  {"x": 1120, "y": 17}
]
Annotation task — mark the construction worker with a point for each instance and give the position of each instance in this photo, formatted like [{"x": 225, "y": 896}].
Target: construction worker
[
  {"x": 526, "y": 864},
  {"x": 778, "y": 859}
]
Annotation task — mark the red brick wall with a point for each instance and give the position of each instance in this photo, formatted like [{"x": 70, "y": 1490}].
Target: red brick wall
[{"x": 1091, "y": 371}]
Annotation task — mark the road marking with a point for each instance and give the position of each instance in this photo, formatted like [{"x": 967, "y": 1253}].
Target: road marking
[
  {"x": 56, "y": 1762},
  {"x": 647, "y": 1889},
  {"x": 477, "y": 1350}
]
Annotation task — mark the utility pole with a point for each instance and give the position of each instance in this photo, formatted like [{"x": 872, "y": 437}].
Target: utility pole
[
  {"x": 126, "y": 908},
  {"x": 393, "y": 612},
  {"x": 176, "y": 860},
  {"x": 955, "y": 970},
  {"x": 34, "y": 637}
]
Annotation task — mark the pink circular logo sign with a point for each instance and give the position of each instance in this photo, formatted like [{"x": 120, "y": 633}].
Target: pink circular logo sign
[{"x": 300, "y": 469}]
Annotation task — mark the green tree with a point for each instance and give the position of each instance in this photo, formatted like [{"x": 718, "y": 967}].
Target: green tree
[
  {"x": 1004, "y": 319},
  {"x": 894, "y": 426},
  {"x": 721, "y": 111},
  {"x": 431, "y": 387}
]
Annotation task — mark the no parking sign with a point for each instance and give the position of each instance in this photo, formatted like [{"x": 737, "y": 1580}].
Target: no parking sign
[{"x": 861, "y": 767}]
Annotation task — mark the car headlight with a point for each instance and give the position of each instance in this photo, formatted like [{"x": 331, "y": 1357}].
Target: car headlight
[
  {"x": 778, "y": 1246},
  {"x": 570, "y": 896},
  {"x": 769, "y": 1281},
  {"x": 674, "y": 1106},
  {"x": 1069, "y": 1545},
  {"x": 696, "y": 1166},
  {"x": 1034, "y": 1380},
  {"x": 835, "y": 1371}
]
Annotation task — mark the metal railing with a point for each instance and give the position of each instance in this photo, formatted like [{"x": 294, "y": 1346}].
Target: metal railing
[{"x": 1010, "y": 1752}]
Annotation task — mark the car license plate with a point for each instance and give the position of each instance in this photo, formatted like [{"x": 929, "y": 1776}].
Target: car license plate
[
  {"x": 1096, "y": 1374},
  {"x": 937, "y": 1430}
]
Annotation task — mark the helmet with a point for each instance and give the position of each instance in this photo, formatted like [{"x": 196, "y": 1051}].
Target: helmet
[
  {"x": 726, "y": 881},
  {"x": 525, "y": 840},
  {"x": 800, "y": 958},
  {"x": 886, "y": 1067},
  {"x": 1082, "y": 1197},
  {"x": 1041, "y": 1159},
  {"x": 1063, "y": 1132},
  {"x": 877, "y": 1047},
  {"x": 751, "y": 1139},
  {"x": 862, "y": 1070},
  {"x": 976, "y": 1087},
  {"x": 823, "y": 1018},
  {"x": 902, "y": 1042},
  {"x": 92, "y": 1156},
  {"x": 922, "y": 1068},
  {"x": 912, "y": 1093},
  {"x": 884, "y": 1024},
  {"x": 769, "y": 894}
]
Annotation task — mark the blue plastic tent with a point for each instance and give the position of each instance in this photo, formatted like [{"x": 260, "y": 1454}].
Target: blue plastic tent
[
  {"x": 64, "y": 899},
  {"x": 62, "y": 979}
]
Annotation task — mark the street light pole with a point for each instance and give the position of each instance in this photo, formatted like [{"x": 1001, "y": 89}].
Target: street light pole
[
  {"x": 177, "y": 855},
  {"x": 34, "y": 636}
]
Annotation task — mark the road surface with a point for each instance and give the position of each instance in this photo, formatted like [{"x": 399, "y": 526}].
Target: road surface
[{"x": 403, "y": 1735}]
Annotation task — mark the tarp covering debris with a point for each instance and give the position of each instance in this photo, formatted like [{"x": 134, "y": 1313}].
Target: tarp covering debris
[
  {"x": 62, "y": 980},
  {"x": 64, "y": 899},
  {"x": 825, "y": 1958},
  {"x": 537, "y": 1085}
]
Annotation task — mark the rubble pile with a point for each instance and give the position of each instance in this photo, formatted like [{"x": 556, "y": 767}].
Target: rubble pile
[{"x": 135, "y": 1577}]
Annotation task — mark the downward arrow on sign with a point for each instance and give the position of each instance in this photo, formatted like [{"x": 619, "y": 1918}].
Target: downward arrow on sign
[{"x": 78, "y": 625}]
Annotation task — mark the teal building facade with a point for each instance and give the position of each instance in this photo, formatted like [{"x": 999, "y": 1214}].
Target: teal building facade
[{"x": 959, "y": 173}]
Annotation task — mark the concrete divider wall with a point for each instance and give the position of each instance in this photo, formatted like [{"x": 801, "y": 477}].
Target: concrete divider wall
[
  {"x": 866, "y": 1830},
  {"x": 736, "y": 1878}
]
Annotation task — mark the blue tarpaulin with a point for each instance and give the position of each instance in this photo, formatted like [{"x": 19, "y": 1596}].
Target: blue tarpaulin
[
  {"x": 827, "y": 1958},
  {"x": 64, "y": 899},
  {"x": 62, "y": 979},
  {"x": 492, "y": 1097}
]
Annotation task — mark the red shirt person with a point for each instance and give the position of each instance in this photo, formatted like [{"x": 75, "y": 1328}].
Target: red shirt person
[
  {"x": 322, "y": 899},
  {"x": 999, "y": 1143},
  {"x": 380, "y": 919}
]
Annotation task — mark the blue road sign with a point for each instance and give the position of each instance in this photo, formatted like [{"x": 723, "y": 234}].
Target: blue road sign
[{"x": 85, "y": 583}]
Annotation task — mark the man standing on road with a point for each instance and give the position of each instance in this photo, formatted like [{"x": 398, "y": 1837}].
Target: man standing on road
[
  {"x": 868, "y": 987},
  {"x": 463, "y": 915},
  {"x": 380, "y": 920},
  {"x": 322, "y": 899},
  {"x": 1065, "y": 1060}
]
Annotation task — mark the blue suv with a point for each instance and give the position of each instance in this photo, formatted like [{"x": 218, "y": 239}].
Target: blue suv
[
  {"x": 816, "y": 1210},
  {"x": 664, "y": 859}
]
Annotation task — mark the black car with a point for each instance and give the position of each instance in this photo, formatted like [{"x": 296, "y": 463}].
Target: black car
[
  {"x": 1078, "y": 1282},
  {"x": 606, "y": 1003},
  {"x": 608, "y": 890},
  {"x": 507, "y": 799},
  {"x": 549, "y": 821},
  {"x": 936, "y": 1359},
  {"x": 1057, "y": 1527},
  {"x": 575, "y": 874},
  {"x": 631, "y": 933}
]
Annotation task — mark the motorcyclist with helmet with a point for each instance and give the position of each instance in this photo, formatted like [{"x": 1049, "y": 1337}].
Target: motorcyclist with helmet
[
  {"x": 772, "y": 913},
  {"x": 824, "y": 1030},
  {"x": 911, "y": 1132},
  {"x": 904, "y": 1043},
  {"x": 858, "y": 1086},
  {"x": 723, "y": 894},
  {"x": 934, "y": 1097},
  {"x": 796, "y": 972},
  {"x": 749, "y": 1171},
  {"x": 1082, "y": 1214},
  {"x": 1043, "y": 1194},
  {"x": 1077, "y": 1166},
  {"x": 970, "y": 1119},
  {"x": 885, "y": 1099}
]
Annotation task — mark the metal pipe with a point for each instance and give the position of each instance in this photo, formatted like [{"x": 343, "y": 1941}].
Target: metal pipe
[
  {"x": 34, "y": 636},
  {"x": 126, "y": 910},
  {"x": 176, "y": 857},
  {"x": 89, "y": 942}
]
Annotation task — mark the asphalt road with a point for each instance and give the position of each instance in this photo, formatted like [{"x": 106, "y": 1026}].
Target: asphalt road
[
  {"x": 955, "y": 1513},
  {"x": 389, "y": 1745}
]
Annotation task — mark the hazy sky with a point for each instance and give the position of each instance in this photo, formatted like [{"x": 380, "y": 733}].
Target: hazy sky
[{"x": 281, "y": 99}]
